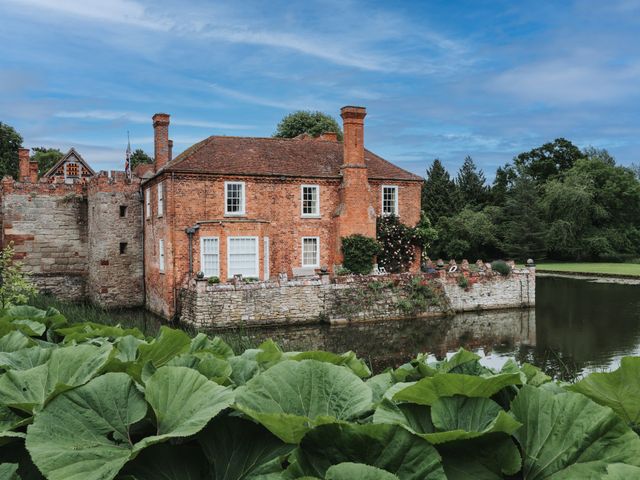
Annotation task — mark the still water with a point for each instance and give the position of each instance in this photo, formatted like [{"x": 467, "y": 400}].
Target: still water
[{"x": 577, "y": 326}]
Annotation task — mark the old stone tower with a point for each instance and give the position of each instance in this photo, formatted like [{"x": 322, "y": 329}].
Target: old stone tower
[{"x": 77, "y": 233}]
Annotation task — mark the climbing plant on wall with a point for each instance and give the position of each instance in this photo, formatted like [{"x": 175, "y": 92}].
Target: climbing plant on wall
[{"x": 397, "y": 242}]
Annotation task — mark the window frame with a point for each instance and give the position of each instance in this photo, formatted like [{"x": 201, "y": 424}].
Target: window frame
[
  {"x": 396, "y": 208},
  {"x": 317, "y": 261},
  {"x": 257, "y": 251},
  {"x": 266, "y": 268},
  {"x": 147, "y": 194},
  {"x": 202, "y": 254},
  {"x": 161, "y": 255},
  {"x": 310, "y": 215},
  {"x": 160, "y": 191},
  {"x": 243, "y": 199}
]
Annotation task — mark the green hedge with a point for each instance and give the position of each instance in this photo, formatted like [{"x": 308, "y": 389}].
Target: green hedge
[{"x": 97, "y": 402}]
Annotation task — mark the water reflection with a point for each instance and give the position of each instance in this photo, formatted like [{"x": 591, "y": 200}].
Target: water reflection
[{"x": 577, "y": 326}]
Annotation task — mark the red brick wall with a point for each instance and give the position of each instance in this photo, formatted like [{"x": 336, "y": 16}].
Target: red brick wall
[{"x": 273, "y": 210}]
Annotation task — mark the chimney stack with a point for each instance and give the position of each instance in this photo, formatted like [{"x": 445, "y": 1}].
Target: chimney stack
[
  {"x": 328, "y": 137},
  {"x": 170, "y": 150},
  {"x": 353, "y": 127},
  {"x": 23, "y": 164},
  {"x": 161, "y": 140},
  {"x": 33, "y": 171}
]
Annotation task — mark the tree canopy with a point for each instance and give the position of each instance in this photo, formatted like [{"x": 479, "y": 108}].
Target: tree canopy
[
  {"x": 46, "y": 158},
  {"x": 440, "y": 196},
  {"x": 10, "y": 142},
  {"x": 304, "y": 121},
  {"x": 471, "y": 184},
  {"x": 139, "y": 157}
]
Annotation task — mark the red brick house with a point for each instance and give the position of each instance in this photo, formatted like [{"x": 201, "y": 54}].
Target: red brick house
[{"x": 262, "y": 206}]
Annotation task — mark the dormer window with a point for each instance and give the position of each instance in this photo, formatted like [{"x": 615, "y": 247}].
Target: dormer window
[{"x": 234, "y": 198}]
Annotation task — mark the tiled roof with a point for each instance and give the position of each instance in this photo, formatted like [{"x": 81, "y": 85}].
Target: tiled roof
[{"x": 299, "y": 157}]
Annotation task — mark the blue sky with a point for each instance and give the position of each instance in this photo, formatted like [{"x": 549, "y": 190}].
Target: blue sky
[{"x": 440, "y": 79}]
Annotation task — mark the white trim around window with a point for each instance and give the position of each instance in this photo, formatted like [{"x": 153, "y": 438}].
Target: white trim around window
[
  {"x": 310, "y": 258},
  {"x": 161, "y": 255},
  {"x": 389, "y": 206},
  {"x": 310, "y": 201},
  {"x": 236, "y": 200},
  {"x": 210, "y": 256},
  {"x": 147, "y": 194},
  {"x": 160, "y": 187},
  {"x": 239, "y": 253}
]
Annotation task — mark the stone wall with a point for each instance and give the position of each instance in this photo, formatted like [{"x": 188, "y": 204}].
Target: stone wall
[
  {"x": 351, "y": 298},
  {"x": 48, "y": 227},
  {"x": 115, "y": 241}
]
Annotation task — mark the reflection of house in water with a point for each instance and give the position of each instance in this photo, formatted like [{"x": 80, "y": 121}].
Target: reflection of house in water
[
  {"x": 70, "y": 168},
  {"x": 391, "y": 343}
]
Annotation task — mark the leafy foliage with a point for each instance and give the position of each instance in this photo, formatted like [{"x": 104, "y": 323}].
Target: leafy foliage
[
  {"x": 100, "y": 403},
  {"x": 139, "y": 157},
  {"x": 15, "y": 287},
  {"x": 358, "y": 252},
  {"x": 10, "y": 142},
  {"x": 440, "y": 196},
  {"x": 304, "y": 121},
  {"x": 46, "y": 158}
]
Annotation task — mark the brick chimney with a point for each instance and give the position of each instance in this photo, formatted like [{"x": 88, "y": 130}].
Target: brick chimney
[
  {"x": 23, "y": 164},
  {"x": 355, "y": 213},
  {"x": 161, "y": 140},
  {"x": 33, "y": 171},
  {"x": 170, "y": 150}
]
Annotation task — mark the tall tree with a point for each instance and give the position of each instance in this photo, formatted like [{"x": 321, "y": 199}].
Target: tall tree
[
  {"x": 502, "y": 183},
  {"x": 46, "y": 158},
  {"x": 600, "y": 154},
  {"x": 139, "y": 157},
  {"x": 471, "y": 184},
  {"x": 548, "y": 161},
  {"x": 439, "y": 193},
  {"x": 304, "y": 121},
  {"x": 523, "y": 227},
  {"x": 10, "y": 142}
]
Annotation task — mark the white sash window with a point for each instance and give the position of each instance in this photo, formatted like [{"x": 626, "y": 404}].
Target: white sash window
[
  {"x": 242, "y": 255},
  {"x": 210, "y": 256}
]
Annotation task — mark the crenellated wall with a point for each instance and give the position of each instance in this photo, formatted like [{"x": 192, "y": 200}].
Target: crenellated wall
[
  {"x": 351, "y": 299},
  {"x": 68, "y": 237}
]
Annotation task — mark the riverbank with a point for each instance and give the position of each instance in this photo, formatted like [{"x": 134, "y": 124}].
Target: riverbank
[{"x": 613, "y": 270}]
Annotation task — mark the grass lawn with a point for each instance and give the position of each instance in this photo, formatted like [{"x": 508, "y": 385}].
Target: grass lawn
[{"x": 632, "y": 269}]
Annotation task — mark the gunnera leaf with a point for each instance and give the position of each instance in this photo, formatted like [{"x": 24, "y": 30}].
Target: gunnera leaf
[
  {"x": 357, "y": 471},
  {"x": 429, "y": 389},
  {"x": 388, "y": 447},
  {"x": 24, "y": 359},
  {"x": 238, "y": 449},
  {"x": 563, "y": 431},
  {"x": 619, "y": 390},
  {"x": 66, "y": 368},
  {"x": 183, "y": 401},
  {"x": 291, "y": 397},
  {"x": 83, "y": 434}
]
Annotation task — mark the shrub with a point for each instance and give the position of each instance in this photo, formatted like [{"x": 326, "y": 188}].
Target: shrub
[
  {"x": 397, "y": 242},
  {"x": 343, "y": 271},
  {"x": 463, "y": 282},
  {"x": 15, "y": 287},
  {"x": 358, "y": 252},
  {"x": 213, "y": 280},
  {"x": 501, "y": 267}
]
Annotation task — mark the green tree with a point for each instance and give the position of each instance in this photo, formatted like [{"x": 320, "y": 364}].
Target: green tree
[
  {"x": 439, "y": 193},
  {"x": 522, "y": 228},
  {"x": 10, "y": 142},
  {"x": 305, "y": 121},
  {"x": 15, "y": 287},
  {"x": 471, "y": 184},
  {"x": 468, "y": 234},
  {"x": 600, "y": 154},
  {"x": 502, "y": 183},
  {"x": 46, "y": 158},
  {"x": 548, "y": 161},
  {"x": 139, "y": 157}
]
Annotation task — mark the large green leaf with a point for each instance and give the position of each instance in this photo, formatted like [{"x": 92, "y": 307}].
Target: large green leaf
[
  {"x": 84, "y": 434},
  {"x": 347, "y": 359},
  {"x": 183, "y": 401},
  {"x": 243, "y": 369},
  {"x": 168, "y": 344},
  {"x": 208, "y": 364},
  {"x": 292, "y": 397},
  {"x": 239, "y": 449},
  {"x": 81, "y": 332},
  {"x": 14, "y": 341},
  {"x": 429, "y": 389},
  {"x": 462, "y": 418},
  {"x": 24, "y": 359},
  {"x": 388, "y": 447},
  {"x": 66, "y": 368},
  {"x": 416, "y": 418},
  {"x": 562, "y": 430},
  {"x": 357, "y": 471},
  {"x": 217, "y": 346},
  {"x": 619, "y": 390},
  {"x": 9, "y": 471}
]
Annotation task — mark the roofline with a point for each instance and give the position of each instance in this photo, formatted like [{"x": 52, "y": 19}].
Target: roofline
[{"x": 64, "y": 158}]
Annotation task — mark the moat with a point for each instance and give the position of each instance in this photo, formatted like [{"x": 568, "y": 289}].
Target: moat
[{"x": 576, "y": 326}]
